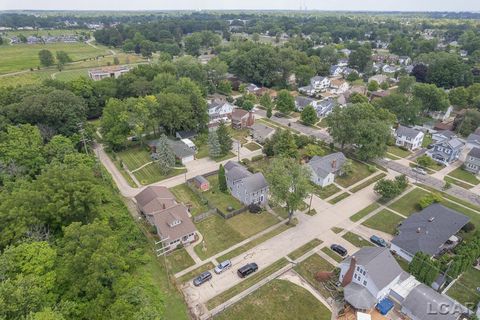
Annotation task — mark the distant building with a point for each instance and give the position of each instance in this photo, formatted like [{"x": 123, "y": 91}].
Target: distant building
[
  {"x": 260, "y": 132},
  {"x": 107, "y": 72},
  {"x": 242, "y": 118},
  {"x": 409, "y": 138},
  {"x": 248, "y": 188},
  {"x": 472, "y": 162}
]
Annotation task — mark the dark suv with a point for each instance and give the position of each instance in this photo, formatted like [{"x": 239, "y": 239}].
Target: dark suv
[
  {"x": 339, "y": 249},
  {"x": 201, "y": 279},
  {"x": 247, "y": 269}
]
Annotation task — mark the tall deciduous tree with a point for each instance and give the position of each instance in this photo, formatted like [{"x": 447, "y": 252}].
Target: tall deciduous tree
[
  {"x": 285, "y": 102},
  {"x": 46, "y": 58},
  {"x": 309, "y": 115}
]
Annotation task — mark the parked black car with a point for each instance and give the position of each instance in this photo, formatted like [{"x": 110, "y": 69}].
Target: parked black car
[
  {"x": 339, "y": 249},
  {"x": 201, "y": 279},
  {"x": 247, "y": 269}
]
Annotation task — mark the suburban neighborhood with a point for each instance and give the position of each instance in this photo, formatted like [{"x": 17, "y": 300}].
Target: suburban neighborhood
[{"x": 297, "y": 164}]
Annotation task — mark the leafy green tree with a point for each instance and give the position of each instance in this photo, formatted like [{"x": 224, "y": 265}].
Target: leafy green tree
[
  {"x": 373, "y": 86},
  {"x": 358, "y": 98},
  {"x": 469, "y": 122},
  {"x": 303, "y": 73},
  {"x": 458, "y": 97},
  {"x": 214, "y": 148},
  {"x": 224, "y": 87},
  {"x": 347, "y": 167},
  {"x": 359, "y": 59},
  {"x": 266, "y": 101},
  {"x": 404, "y": 107},
  {"x": 165, "y": 155},
  {"x": 429, "y": 199},
  {"x": 352, "y": 76},
  {"x": 401, "y": 46},
  {"x": 431, "y": 97},
  {"x": 216, "y": 70},
  {"x": 269, "y": 112},
  {"x": 405, "y": 84},
  {"x": 115, "y": 126},
  {"x": 46, "y": 58},
  {"x": 312, "y": 150},
  {"x": 309, "y": 116},
  {"x": 63, "y": 57},
  {"x": 255, "y": 37},
  {"x": 58, "y": 147},
  {"x": 222, "y": 181},
  {"x": 285, "y": 102},
  {"x": 425, "y": 161},
  {"x": 147, "y": 48},
  {"x": 289, "y": 188},
  {"x": 388, "y": 189},
  {"x": 284, "y": 144},
  {"x": 224, "y": 138},
  {"x": 247, "y": 105},
  {"x": 424, "y": 268}
]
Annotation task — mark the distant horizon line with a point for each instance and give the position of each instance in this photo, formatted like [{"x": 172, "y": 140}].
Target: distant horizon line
[{"x": 236, "y": 10}]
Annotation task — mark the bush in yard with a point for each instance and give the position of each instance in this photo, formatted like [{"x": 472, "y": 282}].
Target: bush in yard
[
  {"x": 469, "y": 227},
  {"x": 257, "y": 157},
  {"x": 347, "y": 168},
  {"x": 309, "y": 116},
  {"x": 388, "y": 189},
  {"x": 402, "y": 182},
  {"x": 424, "y": 268},
  {"x": 222, "y": 181},
  {"x": 429, "y": 199},
  {"x": 371, "y": 168},
  {"x": 447, "y": 185},
  {"x": 254, "y": 208},
  {"x": 246, "y": 161},
  {"x": 312, "y": 150},
  {"x": 425, "y": 161}
]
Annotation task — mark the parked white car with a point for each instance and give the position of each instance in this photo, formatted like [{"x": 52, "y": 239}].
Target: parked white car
[{"x": 223, "y": 266}]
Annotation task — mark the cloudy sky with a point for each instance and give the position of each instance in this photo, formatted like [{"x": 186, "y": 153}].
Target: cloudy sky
[{"x": 372, "y": 5}]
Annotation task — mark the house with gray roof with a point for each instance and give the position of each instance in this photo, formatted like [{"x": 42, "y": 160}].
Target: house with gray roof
[
  {"x": 423, "y": 303},
  {"x": 430, "y": 231},
  {"x": 368, "y": 276},
  {"x": 219, "y": 110},
  {"x": 248, "y": 188},
  {"x": 301, "y": 102},
  {"x": 447, "y": 151},
  {"x": 325, "y": 107},
  {"x": 182, "y": 151},
  {"x": 473, "y": 140},
  {"x": 260, "y": 132},
  {"x": 408, "y": 138},
  {"x": 325, "y": 169},
  {"x": 472, "y": 162}
]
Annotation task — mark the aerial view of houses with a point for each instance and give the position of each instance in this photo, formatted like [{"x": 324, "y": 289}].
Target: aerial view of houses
[{"x": 240, "y": 161}]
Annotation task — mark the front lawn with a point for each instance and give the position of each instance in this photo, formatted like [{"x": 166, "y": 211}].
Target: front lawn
[
  {"x": 360, "y": 172},
  {"x": 151, "y": 173},
  {"x": 459, "y": 183},
  {"x": 269, "y": 303},
  {"x": 464, "y": 175},
  {"x": 332, "y": 254},
  {"x": 356, "y": 240},
  {"x": 220, "y": 234},
  {"x": 408, "y": 204},
  {"x": 294, "y": 255},
  {"x": 385, "y": 221},
  {"x": 368, "y": 182},
  {"x": 309, "y": 267},
  {"x": 239, "y": 134},
  {"x": 364, "y": 212},
  {"x": 252, "y": 146},
  {"x": 279, "y": 210},
  {"x": 218, "y": 199},
  {"x": 397, "y": 151},
  {"x": 179, "y": 260},
  {"x": 464, "y": 290},
  {"x": 339, "y": 198},
  {"x": 186, "y": 196},
  {"x": 324, "y": 193}
]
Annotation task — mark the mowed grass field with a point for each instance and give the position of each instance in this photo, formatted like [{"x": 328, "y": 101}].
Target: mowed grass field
[{"x": 20, "y": 57}]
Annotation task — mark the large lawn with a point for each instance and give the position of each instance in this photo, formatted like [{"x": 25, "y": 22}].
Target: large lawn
[
  {"x": 309, "y": 267},
  {"x": 364, "y": 212},
  {"x": 186, "y": 196},
  {"x": 385, "y": 221},
  {"x": 368, "y": 182},
  {"x": 179, "y": 260},
  {"x": 151, "y": 173},
  {"x": 464, "y": 290},
  {"x": 464, "y": 175},
  {"x": 270, "y": 301},
  {"x": 135, "y": 157},
  {"x": 25, "y": 56},
  {"x": 360, "y": 172},
  {"x": 408, "y": 204},
  {"x": 220, "y": 234},
  {"x": 398, "y": 151}
]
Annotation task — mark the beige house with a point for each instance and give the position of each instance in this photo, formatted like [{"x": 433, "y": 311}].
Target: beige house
[{"x": 107, "y": 72}]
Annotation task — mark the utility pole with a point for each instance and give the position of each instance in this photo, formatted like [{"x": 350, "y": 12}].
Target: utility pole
[
  {"x": 310, "y": 206},
  {"x": 82, "y": 132},
  {"x": 238, "y": 150}
]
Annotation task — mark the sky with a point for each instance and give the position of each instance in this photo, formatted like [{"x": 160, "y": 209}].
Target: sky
[{"x": 365, "y": 5}]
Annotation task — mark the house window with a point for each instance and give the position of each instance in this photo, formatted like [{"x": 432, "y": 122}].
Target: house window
[
  {"x": 365, "y": 282},
  {"x": 364, "y": 272}
]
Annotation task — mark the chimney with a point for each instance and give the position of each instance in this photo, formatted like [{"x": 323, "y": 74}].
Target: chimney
[
  {"x": 163, "y": 206},
  {"x": 334, "y": 164},
  {"x": 419, "y": 229},
  {"x": 347, "y": 278}
]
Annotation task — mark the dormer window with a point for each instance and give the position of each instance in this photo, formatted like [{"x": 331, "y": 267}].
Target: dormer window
[{"x": 174, "y": 223}]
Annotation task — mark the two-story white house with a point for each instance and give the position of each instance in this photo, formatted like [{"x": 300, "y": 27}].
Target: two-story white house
[
  {"x": 472, "y": 162},
  {"x": 219, "y": 110},
  {"x": 368, "y": 276},
  {"x": 325, "y": 169},
  {"x": 409, "y": 138},
  {"x": 248, "y": 188},
  {"x": 320, "y": 83}
]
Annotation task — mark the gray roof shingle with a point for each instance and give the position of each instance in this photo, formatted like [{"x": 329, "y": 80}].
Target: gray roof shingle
[
  {"x": 429, "y": 229},
  {"x": 331, "y": 163},
  {"x": 475, "y": 152},
  {"x": 407, "y": 132}
]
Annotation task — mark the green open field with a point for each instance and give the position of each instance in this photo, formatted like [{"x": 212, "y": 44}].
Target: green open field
[
  {"x": 459, "y": 183},
  {"x": 46, "y": 32},
  {"x": 135, "y": 157},
  {"x": 385, "y": 221},
  {"x": 186, "y": 196},
  {"x": 269, "y": 303},
  {"x": 367, "y": 182},
  {"x": 25, "y": 56},
  {"x": 220, "y": 234},
  {"x": 151, "y": 173}
]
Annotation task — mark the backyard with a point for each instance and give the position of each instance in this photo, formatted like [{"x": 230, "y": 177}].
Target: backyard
[
  {"x": 220, "y": 234},
  {"x": 269, "y": 303},
  {"x": 464, "y": 290},
  {"x": 186, "y": 196}
]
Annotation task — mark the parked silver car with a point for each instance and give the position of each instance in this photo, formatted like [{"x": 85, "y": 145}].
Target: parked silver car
[{"x": 223, "y": 266}]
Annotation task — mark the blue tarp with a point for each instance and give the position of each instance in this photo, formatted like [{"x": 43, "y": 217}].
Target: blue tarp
[{"x": 384, "y": 306}]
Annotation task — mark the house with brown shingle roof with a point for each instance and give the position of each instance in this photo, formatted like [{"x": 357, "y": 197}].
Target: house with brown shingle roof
[{"x": 171, "y": 219}]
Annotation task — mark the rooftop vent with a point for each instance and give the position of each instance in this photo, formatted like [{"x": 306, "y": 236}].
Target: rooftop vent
[{"x": 431, "y": 219}]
